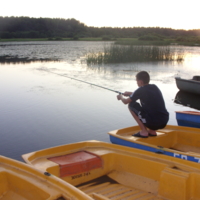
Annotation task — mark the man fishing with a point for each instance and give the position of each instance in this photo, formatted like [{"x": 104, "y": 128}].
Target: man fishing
[{"x": 150, "y": 113}]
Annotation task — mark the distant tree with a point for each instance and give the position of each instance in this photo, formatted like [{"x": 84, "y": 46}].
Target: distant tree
[{"x": 19, "y": 27}]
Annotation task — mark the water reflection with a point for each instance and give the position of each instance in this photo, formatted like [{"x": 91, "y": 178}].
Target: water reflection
[
  {"x": 188, "y": 99},
  {"x": 159, "y": 71},
  {"x": 41, "y": 109}
]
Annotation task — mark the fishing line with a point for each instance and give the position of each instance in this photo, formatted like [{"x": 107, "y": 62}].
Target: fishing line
[{"x": 83, "y": 81}]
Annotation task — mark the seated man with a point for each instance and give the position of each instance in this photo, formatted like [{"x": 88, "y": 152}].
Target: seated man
[{"x": 151, "y": 113}]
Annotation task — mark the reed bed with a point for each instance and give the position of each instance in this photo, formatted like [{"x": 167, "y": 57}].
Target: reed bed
[{"x": 125, "y": 54}]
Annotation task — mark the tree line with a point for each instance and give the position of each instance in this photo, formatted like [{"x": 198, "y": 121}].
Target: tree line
[{"x": 26, "y": 27}]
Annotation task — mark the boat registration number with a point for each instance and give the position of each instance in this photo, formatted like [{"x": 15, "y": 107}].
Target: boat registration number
[
  {"x": 80, "y": 175},
  {"x": 196, "y": 159}
]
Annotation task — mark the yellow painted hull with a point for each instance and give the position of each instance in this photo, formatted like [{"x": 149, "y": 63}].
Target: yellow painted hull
[
  {"x": 117, "y": 172},
  {"x": 19, "y": 181}
]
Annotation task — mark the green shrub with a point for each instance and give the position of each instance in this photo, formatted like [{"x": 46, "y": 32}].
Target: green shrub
[
  {"x": 58, "y": 38},
  {"x": 150, "y": 37}
]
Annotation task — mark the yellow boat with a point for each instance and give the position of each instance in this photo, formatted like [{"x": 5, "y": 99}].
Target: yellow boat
[
  {"x": 106, "y": 171},
  {"x": 177, "y": 141},
  {"x": 19, "y": 181}
]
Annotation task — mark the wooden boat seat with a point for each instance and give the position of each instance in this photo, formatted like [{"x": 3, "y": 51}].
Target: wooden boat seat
[
  {"x": 165, "y": 140},
  {"x": 129, "y": 135}
]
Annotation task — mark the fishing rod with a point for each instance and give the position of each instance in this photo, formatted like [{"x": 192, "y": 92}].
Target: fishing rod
[{"x": 83, "y": 81}]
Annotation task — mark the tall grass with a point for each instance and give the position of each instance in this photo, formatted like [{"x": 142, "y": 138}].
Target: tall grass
[
  {"x": 125, "y": 54},
  {"x": 136, "y": 41}
]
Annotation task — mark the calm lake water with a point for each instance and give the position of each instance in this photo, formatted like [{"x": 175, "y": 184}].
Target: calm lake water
[{"x": 41, "y": 109}]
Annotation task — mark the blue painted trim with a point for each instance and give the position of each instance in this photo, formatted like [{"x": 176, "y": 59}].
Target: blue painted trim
[{"x": 184, "y": 119}]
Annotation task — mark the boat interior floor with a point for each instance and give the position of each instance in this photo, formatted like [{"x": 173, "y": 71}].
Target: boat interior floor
[{"x": 105, "y": 188}]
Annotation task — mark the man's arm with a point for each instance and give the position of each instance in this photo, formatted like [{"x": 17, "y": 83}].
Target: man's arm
[{"x": 127, "y": 94}]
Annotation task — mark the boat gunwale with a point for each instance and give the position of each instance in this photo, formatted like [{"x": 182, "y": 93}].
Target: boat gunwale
[
  {"x": 67, "y": 190},
  {"x": 187, "y": 80},
  {"x": 189, "y": 112}
]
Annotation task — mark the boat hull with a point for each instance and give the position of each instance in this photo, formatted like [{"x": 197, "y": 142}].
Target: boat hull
[
  {"x": 188, "y": 118},
  {"x": 190, "y": 86}
]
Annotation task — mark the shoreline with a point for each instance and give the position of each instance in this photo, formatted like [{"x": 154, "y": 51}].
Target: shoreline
[{"x": 120, "y": 41}]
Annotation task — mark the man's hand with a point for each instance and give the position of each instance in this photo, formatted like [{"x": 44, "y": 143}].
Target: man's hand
[
  {"x": 124, "y": 100},
  {"x": 119, "y": 96}
]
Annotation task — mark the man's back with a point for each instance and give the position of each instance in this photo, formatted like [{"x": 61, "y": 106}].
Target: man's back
[{"x": 151, "y": 100}]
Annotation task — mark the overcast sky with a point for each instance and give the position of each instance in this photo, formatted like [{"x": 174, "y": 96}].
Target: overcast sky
[{"x": 176, "y": 14}]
